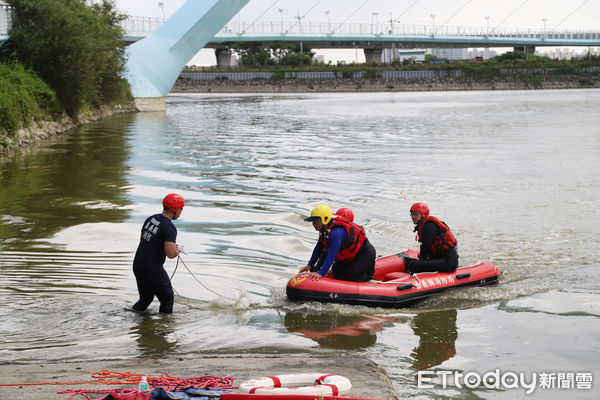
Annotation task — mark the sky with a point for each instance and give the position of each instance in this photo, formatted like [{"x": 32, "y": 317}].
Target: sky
[{"x": 515, "y": 14}]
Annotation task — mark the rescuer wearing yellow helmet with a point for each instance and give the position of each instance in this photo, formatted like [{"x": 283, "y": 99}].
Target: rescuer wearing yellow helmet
[{"x": 343, "y": 245}]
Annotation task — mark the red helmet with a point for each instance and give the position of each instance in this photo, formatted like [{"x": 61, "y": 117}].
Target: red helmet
[
  {"x": 420, "y": 208},
  {"x": 173, "y": 202},
  {"x": 346, "y": 213}
]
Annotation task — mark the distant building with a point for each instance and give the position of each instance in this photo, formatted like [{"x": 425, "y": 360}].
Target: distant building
[
  {"x": 391, "y": 55},
  {"x": 455, "y": 54},
  {"x": 450, "y": 53}
]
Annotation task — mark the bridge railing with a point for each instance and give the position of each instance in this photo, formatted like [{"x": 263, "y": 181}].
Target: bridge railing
[
  {"x": 147, "y": 25},
  {"x": 141, "y": 25},
  {"x": 359, "y": 29},
  {"x": 5, "y": 19}
]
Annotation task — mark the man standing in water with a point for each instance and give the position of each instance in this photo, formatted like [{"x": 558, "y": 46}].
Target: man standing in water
[
  {"x": 349, "y": 253},
  {"x": 437, "y": 244},
  {"x": 157, "y": 241}
]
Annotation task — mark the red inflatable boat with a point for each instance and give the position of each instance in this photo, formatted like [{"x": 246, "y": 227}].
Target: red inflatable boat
[{"x": 391, "y": 286}]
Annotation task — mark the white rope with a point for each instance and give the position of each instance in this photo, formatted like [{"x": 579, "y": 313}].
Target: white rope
[{"x": 197, "y": 280}]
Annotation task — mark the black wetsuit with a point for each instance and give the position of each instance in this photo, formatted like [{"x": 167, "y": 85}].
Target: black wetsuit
[
  {"x": 447, "y": 262},
  {"x": 359, "y": 269},
  {"x": 151, "y": 277}
]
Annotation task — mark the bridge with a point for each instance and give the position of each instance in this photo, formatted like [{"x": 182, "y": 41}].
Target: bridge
[
  {"x": 373, "y": 38},
  {"x": 160, "y": 48}
]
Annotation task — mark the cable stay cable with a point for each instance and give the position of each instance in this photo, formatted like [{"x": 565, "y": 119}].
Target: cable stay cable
[
  {"x": 350, "y": 16},
  {"x": 569, "y": 16},
  {"x": 459, "y": 10},
  {"x": 511, "y": 14},
  {"x": 259, "y": 17},
  {"x": 405, "y": 11},
  {"x": 302, "y": 17}
]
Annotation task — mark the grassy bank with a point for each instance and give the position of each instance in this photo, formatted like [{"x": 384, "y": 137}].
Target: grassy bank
[
  {"x": 25, "y": 98},
  {"x": 62, "y": 65}
]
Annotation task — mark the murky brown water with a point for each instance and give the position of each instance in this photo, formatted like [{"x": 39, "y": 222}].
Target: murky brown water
[{"x": 515, "y": 174}]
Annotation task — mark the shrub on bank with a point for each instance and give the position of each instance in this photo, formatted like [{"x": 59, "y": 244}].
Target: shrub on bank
[
  {"x": 24, "y": 98},
  {"x": 75, "y": 47}
]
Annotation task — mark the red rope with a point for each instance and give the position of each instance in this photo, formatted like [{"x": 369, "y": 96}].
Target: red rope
[
  {"x": 82, "y": 392},
  {"x": 165, "y": 381}
]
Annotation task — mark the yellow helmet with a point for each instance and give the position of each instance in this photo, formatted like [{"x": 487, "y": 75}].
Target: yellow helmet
[{"x": 321, "y": 211}]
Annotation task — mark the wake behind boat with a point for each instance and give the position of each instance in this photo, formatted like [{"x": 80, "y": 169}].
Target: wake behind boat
[{"x": 391, "y": 286}]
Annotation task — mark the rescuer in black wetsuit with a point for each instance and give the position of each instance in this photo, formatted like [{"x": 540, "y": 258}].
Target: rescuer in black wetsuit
[
  {"x": 437, "y": 250},
  {"x": 157, "y": 241}
]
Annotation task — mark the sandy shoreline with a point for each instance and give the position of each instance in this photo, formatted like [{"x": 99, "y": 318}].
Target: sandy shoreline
[{"x": 368, "y": 380}]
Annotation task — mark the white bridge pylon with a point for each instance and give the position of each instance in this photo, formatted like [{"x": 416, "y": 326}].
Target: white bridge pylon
[{"x": 154, "y": 63}]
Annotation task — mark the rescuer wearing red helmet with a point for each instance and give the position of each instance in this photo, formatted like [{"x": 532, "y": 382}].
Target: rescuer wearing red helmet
[
  {"x": 157, "y": 241},
  {"x": 346, "y": 213},
  {"x": 343, "y": 246},
  {"x": 437, "y": 250}
]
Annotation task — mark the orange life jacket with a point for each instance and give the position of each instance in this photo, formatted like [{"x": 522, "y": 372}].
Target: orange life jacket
[
  {"x": 443, "y": 242},
  {"x": 355, "y": 237}
]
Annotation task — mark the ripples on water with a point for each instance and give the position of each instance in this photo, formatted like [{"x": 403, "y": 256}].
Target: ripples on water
[{"x": 515, "y": 174}]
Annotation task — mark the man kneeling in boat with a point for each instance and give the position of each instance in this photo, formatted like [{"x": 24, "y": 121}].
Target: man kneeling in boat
[
  {"x": 437, "y": 244},
  {"x": 349, "y": 253}
]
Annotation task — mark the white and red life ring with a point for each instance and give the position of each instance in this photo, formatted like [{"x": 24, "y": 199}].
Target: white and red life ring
[{"x": 321, "y": 384}]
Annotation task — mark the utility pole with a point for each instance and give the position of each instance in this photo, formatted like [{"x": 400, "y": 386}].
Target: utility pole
[
  {"x": 281, "y": 14},
  {"x": 161, "y": 5}
]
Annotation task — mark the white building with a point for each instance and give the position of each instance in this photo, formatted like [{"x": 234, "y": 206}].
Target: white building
[{"x": 398, "y": 55}]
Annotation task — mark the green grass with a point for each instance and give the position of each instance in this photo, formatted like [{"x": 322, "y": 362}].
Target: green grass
[{"x": 24, "y": 98}]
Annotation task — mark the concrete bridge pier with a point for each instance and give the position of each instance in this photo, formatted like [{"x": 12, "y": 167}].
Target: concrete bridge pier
[
  {"x": 373, "y": 55},
  {"x": 223, "y": 55},
  {"x": 526, "y": 49}
]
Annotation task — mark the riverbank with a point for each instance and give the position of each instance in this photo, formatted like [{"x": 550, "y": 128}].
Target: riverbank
[
  {"x": 513, "y": 82},
  {"x": 40, "y": 130},
  {"x": 43, "y": 381}
]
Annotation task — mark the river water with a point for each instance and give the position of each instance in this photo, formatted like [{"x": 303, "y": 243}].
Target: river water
[{"x": 515, "y": 174}]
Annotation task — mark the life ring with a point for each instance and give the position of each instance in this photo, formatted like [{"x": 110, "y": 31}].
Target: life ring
[{"x": 322, "y": 384}]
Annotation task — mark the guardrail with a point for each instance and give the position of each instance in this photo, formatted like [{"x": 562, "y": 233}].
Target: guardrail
[
  {"x": 135, "y": 25},
  {"x": 359, "y": 29},
  {"x": 148, "y": 25},
  {"x": 141, "y": 25}
]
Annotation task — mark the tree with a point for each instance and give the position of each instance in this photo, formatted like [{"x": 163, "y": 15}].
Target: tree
[
  {"x": 75, "y": 47},
  {"x": 253, "y": 54},
  {"x": 295, "y": 55}
]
